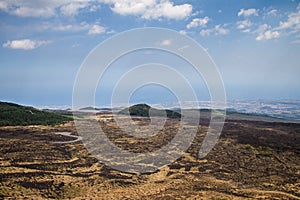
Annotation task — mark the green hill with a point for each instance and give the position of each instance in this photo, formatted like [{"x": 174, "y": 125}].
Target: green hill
[
  {"x": 142, "y": 110},
  {"x": 16, "y": 115}
]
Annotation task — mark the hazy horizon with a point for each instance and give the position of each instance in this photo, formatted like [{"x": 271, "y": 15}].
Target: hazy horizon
[{"x": 254, "y": 44}]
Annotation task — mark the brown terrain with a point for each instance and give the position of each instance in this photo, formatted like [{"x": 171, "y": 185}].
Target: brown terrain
[{"x": 252, "y": 160}]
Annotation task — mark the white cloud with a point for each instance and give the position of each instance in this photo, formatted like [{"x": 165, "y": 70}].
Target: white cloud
[
  {"x": 290, "y": 26},
  {"x": 244, "y": 24},
  {"x": 198, "y": 22},
  {"x": 166, "y": 42},
  {"x": 151, "y": 9},
  {"x": 90, "y": 29},
  {"x": 96, "y": 29},
  {"x": 248, "y": 12},
  {"x": 94, "y": 8},
  {"x": 76, "y": 27},
  {"x": 28, "y": 8},
  {"x": 265, "y": 32},
  {"x": 262, "y": 28},
  {"x": 33, "y": 12},
  {"x": 25, "y": 44},
  {"x": 67, "y": 27},
  {"x": 3, "y": 5},
  {"x": 272, "y": 12},
  {"x": 183, "y": 32},
  {"x": 128, "y": 7},
  {"x": 293, "y": 21},
  {"x": 43, "y": 8},
  {"x": 206, "y": 32},
  {"x": 146, "y": 9},
  {"x": 268, "y": 35},
  {"x": 168, "y": 10},
  {"x": 217, "y": 30},
  {"x": 72, "y": 8}
]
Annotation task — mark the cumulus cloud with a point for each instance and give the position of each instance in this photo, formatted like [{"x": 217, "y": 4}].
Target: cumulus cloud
[
  {"x": 265, "y": 32},
  {"x": 72, "y": 8},
  {"x": 198, "y": 22},
  {"x": 293, "y": 21},
  {"x": 262, "y": 28},
  {"x": 206, "y": 32},
  {"x": 168, "y": 10},
  {"x": 290, "y": 26},
  {"x": 248, "y": 12},
  {"x": 146, "y": 9},
  {"x": 151, "y": 9},
  {"x": 28, "y": 8},
  {"x": 268, "y": 35},
  {"x": 217, "y": 30},
  {"x": 67, "y": 27},
  {"x": 25, "y": 44},
  {"x": 244, "y": 24},
  {"x": 33, "y": 12},
  {"x": 91, "y": 29},
  {"x": 94, "y": 8},
  {"x": 96, "y": 29},
  {"x": 75, "y": 27},
  {"x": 42, "y": 8},
  {"x": 128, "y": 7},
  {"x": 287, "y": 27}
]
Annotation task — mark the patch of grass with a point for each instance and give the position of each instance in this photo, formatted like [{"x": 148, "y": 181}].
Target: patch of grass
[
  {"x": 259, "y": 148},
  {"x": 264, "y": 151},
  {"x": 249, "y": 147}
]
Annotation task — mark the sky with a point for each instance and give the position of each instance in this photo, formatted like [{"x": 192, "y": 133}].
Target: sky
[{"x": 255, "y": 44}]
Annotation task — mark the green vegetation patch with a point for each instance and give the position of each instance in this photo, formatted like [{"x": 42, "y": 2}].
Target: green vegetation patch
[
  {"x": 263, "y": 151},
  {"x": 143, "y": 110},
  {"x": 16, "y": 115}
]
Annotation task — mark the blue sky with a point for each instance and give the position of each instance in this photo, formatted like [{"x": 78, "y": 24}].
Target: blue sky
[{"x": 255, "y": 44}]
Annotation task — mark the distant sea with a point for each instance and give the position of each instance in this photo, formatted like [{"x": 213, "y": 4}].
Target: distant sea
[{"x": 283, "y": 109}]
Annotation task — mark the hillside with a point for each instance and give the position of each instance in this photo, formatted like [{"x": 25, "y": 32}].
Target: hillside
[
  {"x": 142, "y": 110},
  {"x": 16, "y": 115}
]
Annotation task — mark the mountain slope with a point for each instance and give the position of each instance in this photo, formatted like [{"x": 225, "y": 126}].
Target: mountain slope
[{"x": 16, "y": 115}]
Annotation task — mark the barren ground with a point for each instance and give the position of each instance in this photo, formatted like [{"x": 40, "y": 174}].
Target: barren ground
[{"x": 251, "y": 160}]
